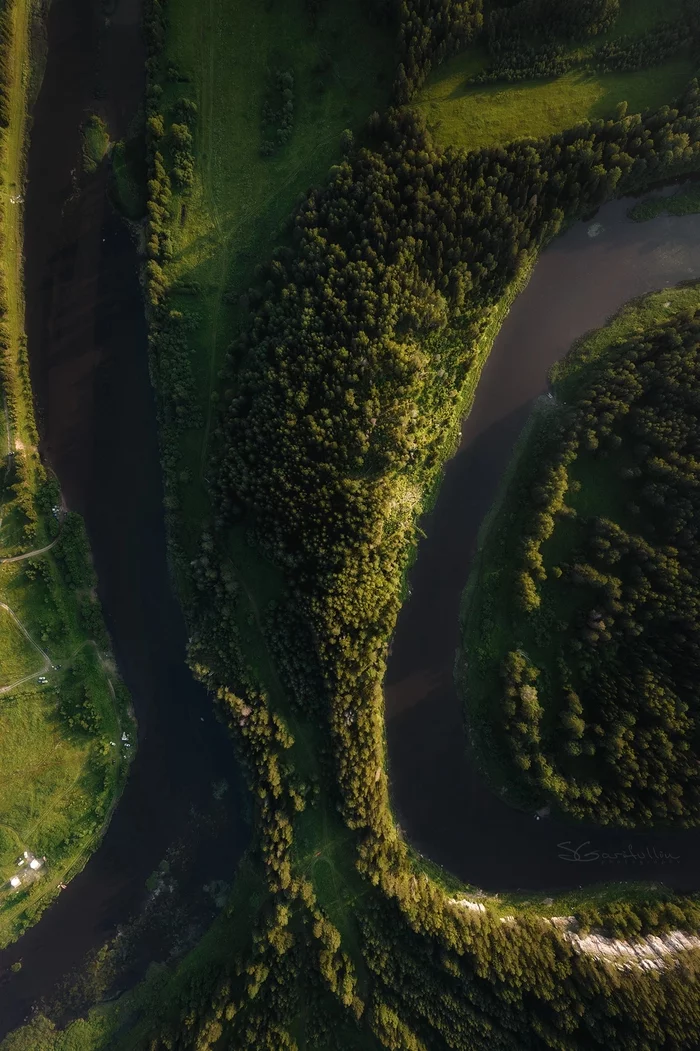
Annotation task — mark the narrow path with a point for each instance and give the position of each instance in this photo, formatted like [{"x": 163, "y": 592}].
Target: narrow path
[{"x": 31, "y": 554}]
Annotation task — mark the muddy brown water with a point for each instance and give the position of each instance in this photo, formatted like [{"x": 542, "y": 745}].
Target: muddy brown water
[
  {"x": 441, "y": 801},
  {"x": 88, "y": 352}
]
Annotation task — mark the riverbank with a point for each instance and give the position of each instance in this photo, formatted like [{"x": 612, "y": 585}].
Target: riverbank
[
  {"x": 67, "y": 737},
  {"x": 87, "y": 348},
  {"x": 440, "y": 798},
  {"x": 589, "y": 496}
]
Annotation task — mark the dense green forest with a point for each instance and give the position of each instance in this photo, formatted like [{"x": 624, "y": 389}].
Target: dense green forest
[
  {"x": 353, "y": 351},
  {"x": 596, "y": 650}
]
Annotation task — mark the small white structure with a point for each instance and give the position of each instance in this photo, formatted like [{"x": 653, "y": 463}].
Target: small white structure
[{"x": 30, "y": 865}]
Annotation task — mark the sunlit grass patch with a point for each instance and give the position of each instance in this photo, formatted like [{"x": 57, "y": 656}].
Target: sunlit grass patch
[
  {"x": 473, "y": 116},
  {"x": 18, "y": 656},
  {"x": 95, "y": 143}
]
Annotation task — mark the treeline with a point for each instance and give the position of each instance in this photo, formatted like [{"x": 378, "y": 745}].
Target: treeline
[
  {"x": 278, "y": 113},
  {"x": 446, "y": 981},
  {"x": 508, "y": 27},
  {"x": 637, "y": 918},
  {"x": 429, "y": 31}
]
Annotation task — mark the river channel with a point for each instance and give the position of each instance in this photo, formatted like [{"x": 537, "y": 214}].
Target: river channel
[
  {"x": 441, "y": 801},
  {"x": 88, "y": 353}
]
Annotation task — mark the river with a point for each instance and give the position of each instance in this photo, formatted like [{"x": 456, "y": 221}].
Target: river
[
  {"x": 441, "y": 801},
  {"x": 87, "y": 345}
]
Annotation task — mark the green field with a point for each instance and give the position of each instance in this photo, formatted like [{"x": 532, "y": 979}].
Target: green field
[
  {"x": 476, "y": 115},
  {"x": 473, "y": 116},
  {"x": 224, "y": 57},
  {"x": 60, "y": 775},
  {"x": 19, "y": 657}
]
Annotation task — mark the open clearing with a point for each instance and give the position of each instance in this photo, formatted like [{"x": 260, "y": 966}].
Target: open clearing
[
  {"x": 493, "y": 114},
  {"x": 477, "y": 115}
]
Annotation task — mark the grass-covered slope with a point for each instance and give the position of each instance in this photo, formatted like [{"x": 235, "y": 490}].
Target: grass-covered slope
[
  {"x": 579, "y": 643},
  {"x": 61, "y": 704}
]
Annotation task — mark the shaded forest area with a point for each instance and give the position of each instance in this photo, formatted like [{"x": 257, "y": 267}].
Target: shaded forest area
[{"x": 606, "y": 579}]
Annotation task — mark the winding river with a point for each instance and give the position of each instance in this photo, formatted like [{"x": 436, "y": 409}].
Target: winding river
[
  {"x": 442, "y": 803},
  {"x": 88, "y": 352}
]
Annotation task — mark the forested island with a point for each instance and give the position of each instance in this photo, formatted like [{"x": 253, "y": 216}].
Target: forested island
[{"x": 313, "y": 352}]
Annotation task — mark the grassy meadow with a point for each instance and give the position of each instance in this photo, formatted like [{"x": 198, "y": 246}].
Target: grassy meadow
[
  {"x": 475, "y": 115},
  {"x": 59, "y": 774}
]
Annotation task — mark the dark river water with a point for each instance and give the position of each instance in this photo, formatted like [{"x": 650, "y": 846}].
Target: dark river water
[
  {"x": 88, "y": 352},
  {"x": 442, "y": 803}
]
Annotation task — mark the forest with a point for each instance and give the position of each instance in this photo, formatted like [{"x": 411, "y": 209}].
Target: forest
[
  {"x": 359, "y": 342},
  {"x": 338, "y": 403},
  {"x": 597, "y": 708}
]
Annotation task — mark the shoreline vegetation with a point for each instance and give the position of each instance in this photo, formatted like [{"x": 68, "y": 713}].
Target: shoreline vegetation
[
  {"x": 329, "y": 383},
  {"x": 61, "y": 701},
  {"x": 490, "y": 587}
]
